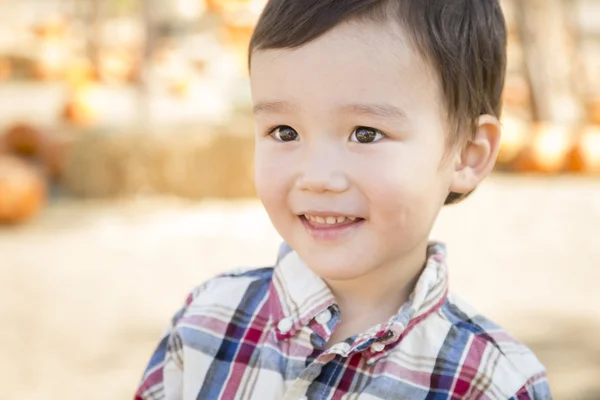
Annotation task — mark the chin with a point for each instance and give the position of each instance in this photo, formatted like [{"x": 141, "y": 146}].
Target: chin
[{"x": 333, "y": 268}]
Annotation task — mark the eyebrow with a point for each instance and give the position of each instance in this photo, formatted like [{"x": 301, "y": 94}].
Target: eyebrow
[
  {"x": 382, "y": 110},
  {"x": 273, "y": 107}
]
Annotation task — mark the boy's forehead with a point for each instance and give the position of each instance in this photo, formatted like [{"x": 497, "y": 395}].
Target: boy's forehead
[
  {"x": 354, "y": 59},
  {"x": 349, "y": 39}
]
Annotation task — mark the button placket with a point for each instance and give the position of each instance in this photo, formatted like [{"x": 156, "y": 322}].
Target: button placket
[
  {"x": 341, "y": 348},
  {"x": 301, "y": 384}
]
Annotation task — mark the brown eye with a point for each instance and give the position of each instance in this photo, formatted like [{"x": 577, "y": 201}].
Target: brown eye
[
  {"x": 285, "y": 134},
  {"x": 366, "y": 135}
]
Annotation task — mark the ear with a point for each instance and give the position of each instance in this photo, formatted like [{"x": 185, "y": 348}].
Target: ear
[{"x": 478, "y": 157}]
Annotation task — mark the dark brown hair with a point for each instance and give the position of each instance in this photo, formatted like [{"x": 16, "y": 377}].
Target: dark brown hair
[{"x": 463, "y": 40}]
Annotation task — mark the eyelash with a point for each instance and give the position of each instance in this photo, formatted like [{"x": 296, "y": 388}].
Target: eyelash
[{"x": 272, "y": 130}]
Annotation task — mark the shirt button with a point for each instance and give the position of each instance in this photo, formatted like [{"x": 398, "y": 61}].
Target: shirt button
[
  {"x": 324, "y": 317},
  {"x": 377, "y": 347},
  {"x": 285, "y": 325},
  {"x": 340, "y": 348}
]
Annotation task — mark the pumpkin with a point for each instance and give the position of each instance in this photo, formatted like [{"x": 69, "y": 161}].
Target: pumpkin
[
  {"x": 594, "y": 111},
  {"x": 221, "y": 6},
  {"x": 244, "y": 12},
  {"x": 180, "y": 86},
  {"x": 548, "y": 151},
  {"x": 23, "y": 139},
  {"x": 117, "y": 66},
  {"x": 55, "y": 151},
  {"x": 236, "y": 38},
  {"x": 22, "y": 190},
  {"x": 54, "y": 27},
  {"x": 80, "y": 72},
  {"x": 585, "y": 157},
  {"x": 46, "y": 148},
  {"x": 5, "y": 69},
  {"x": 82, "y": 108},
  {"x": 52, "y": 48},
  {"x": 516, "y": 93},
  {"x": 514, "y": 139}
]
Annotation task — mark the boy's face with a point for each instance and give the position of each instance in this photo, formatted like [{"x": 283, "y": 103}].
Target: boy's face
[{"x": 350, "y": 125}]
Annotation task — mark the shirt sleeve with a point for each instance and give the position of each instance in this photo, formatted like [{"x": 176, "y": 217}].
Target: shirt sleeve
[
  {"x": 163, "y": 377},
  {"x": 536, "y": 388}
]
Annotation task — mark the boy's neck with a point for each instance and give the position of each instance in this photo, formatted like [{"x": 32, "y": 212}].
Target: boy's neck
[{"x": 374, "y": 298}]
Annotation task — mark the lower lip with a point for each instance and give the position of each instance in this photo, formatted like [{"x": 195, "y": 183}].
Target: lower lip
[{"x": 331, "y": 233}]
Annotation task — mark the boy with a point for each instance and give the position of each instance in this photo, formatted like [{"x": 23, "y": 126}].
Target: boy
[{"x": 370, "y": 116}]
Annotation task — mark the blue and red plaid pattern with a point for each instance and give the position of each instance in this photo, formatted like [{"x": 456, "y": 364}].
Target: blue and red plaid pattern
[{"x": 261, "y": 334}]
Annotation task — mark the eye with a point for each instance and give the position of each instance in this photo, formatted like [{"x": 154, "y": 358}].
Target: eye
[
  {"x": 363, "y": 134},
  {"x": 284, "y": 134}
]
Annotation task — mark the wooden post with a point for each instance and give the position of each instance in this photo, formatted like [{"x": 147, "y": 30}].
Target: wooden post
[
  {"x": 549, "y": 55},
  {"x": 95, "y": 22}
]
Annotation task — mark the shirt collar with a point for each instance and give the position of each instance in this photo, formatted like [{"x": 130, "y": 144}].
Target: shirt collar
[{"x": 298, "y": 295}]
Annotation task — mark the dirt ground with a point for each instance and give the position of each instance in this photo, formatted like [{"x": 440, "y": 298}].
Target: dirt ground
[{"x": 86, "y": 289}]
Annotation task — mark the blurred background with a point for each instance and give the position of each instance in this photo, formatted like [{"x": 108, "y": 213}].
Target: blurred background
[{"x": 126, "y": 179}]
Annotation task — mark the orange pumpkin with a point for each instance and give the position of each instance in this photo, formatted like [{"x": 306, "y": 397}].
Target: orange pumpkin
[
  {"x": 548, "y": 151},
  {"x": 117, "y": 66},
  {"x": 585, "y": 157},
  {"x": 82, "y": 108},
  {"x": 23, "y": 139},
  {"x": 237, "y": 39},
  {"x": 180, "y": 86},
  {"x": 516, "y": 93},
  {"x": 80, "y": 72},
  {"x": 514, "y": 139},
  {"x": 239, "y": 8},
  {"x": 237, "y": 35},
  {"x": 5, "y": 69},
  {"x": 56, "y": 148},
  {"x": 54, "y": 27},
  {"x": 22, "y": 191},
  {"x": 594, "y": 111},
  {"x": 220, "y": 6}
]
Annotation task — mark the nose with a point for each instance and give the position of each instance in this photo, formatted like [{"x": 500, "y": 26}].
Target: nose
[{"x": 322, "y": 171}]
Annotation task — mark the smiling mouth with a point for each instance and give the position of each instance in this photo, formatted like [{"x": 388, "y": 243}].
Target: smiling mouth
[{"x": 329, "y": 222}]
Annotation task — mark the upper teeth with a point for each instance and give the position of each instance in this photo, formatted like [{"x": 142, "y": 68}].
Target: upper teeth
[{"x": 329, "y": 220}]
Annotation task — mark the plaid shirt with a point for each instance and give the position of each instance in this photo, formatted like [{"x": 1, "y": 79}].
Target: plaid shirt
[{"x": 260, "y": 334}]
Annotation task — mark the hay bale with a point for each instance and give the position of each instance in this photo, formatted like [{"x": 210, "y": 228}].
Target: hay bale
[{"x": 191, "y": 163}]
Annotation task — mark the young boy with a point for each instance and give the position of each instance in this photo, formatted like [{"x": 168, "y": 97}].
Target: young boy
[{"x": 370, "y": 116}]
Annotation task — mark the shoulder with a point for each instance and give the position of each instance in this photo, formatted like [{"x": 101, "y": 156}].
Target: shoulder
[
  {"x": 206, "y": 317},
  {"x": 226, "y": 305},
  {"x": 230, "y": 288},
  {"x": 491, "y": 360}
]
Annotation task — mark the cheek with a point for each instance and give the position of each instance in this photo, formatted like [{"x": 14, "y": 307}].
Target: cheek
[
  {"x": 264, "y": 180},
  {"x": 396, "y": 172},
  {"x": 403, "y": 189},
  {"x": 271, "y": 178}
]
